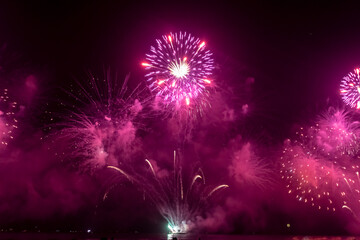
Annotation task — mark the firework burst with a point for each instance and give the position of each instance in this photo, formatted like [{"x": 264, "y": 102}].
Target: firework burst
[
  {"x": 318, "y": 166},
  {"x": 179, "y": 70},
  {"x": 178, "y": 201},
  {"x": 249, "y": 169},
  {"x": 317, "y": 182},
  {"x": 101, "y": 127},
  {"x": 336, "y": 133},
  {"x": 312, "y": 180},
  {"x": 350, "y": 89},
  {"x": 8, "y": 122}
]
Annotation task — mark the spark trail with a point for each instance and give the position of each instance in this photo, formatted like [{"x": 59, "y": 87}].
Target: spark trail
[
  {"x": 178, "y": 201},
  {"x": 100, "y": 127}
]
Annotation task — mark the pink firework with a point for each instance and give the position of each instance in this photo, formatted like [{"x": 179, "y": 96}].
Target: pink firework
[
  {"x": 8, "y": 122},
  {"x": 179, "y": 70},
  {"x": 317, "y": 170},
  {"x": 334, "y": 136},
  {"x": 337, "y": 132},
  {"x": 312, "y": 180},
  {"x": 101, "y": 127},
  {"x": 350, "y": 89}
]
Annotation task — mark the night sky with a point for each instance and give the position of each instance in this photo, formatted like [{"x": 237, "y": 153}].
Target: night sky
[{"x": 295, "y": 51}]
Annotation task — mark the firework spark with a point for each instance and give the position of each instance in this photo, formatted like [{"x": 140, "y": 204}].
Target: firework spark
[
  {"x": 312, "y": 180},
  {"x": 350, "y": 89},
  {"x": 179, "y": 70},
  {"x": 323, "y": 177},
  {"x": 336, "y": 133},
  {"x": 8, "y": 122},
  {"x": 178, "y": 201},
  {"x": 319, "y": 165},
  {"x": 102, "y": 126}
]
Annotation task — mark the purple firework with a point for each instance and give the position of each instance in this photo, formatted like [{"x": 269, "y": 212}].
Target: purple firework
[
  {"x": 350, "y": 89},
  {"x": 179, "y": 69}
]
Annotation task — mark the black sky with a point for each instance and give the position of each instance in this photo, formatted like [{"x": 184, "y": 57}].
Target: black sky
[{"x": 296, "y": 50}]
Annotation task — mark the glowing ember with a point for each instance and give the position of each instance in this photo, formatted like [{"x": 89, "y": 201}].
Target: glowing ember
[{"x": 318, "y": 166}]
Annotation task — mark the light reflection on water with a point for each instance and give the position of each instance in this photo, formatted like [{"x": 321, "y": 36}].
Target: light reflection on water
[
  {"x": 61, "y": 236},
  {"x": 257, "y": 237}
]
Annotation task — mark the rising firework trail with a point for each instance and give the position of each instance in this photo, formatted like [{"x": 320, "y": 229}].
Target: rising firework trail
[
  {"x": 179, "y": 70},
  {"x": 178, "y": 201},
  {"x": 350, "y": 89}
]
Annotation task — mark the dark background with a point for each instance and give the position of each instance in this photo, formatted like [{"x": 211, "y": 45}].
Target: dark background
[{"x": 297, "y": 51}]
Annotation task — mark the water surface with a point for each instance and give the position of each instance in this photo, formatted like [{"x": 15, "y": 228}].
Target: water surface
[{"x": 66, "y": 236}]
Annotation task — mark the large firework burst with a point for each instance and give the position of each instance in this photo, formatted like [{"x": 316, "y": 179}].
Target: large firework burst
[
  {"x": 336, "y": 133},
  {"x": 350, "y": 89},
  {"x": 312, "y": 180},
  {"x": 179, "y": 70},
  {"x": 320, "y": 165}
]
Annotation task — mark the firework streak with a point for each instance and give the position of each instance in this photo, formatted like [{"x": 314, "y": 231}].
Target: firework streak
[{"x": 177, "y": 201}]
